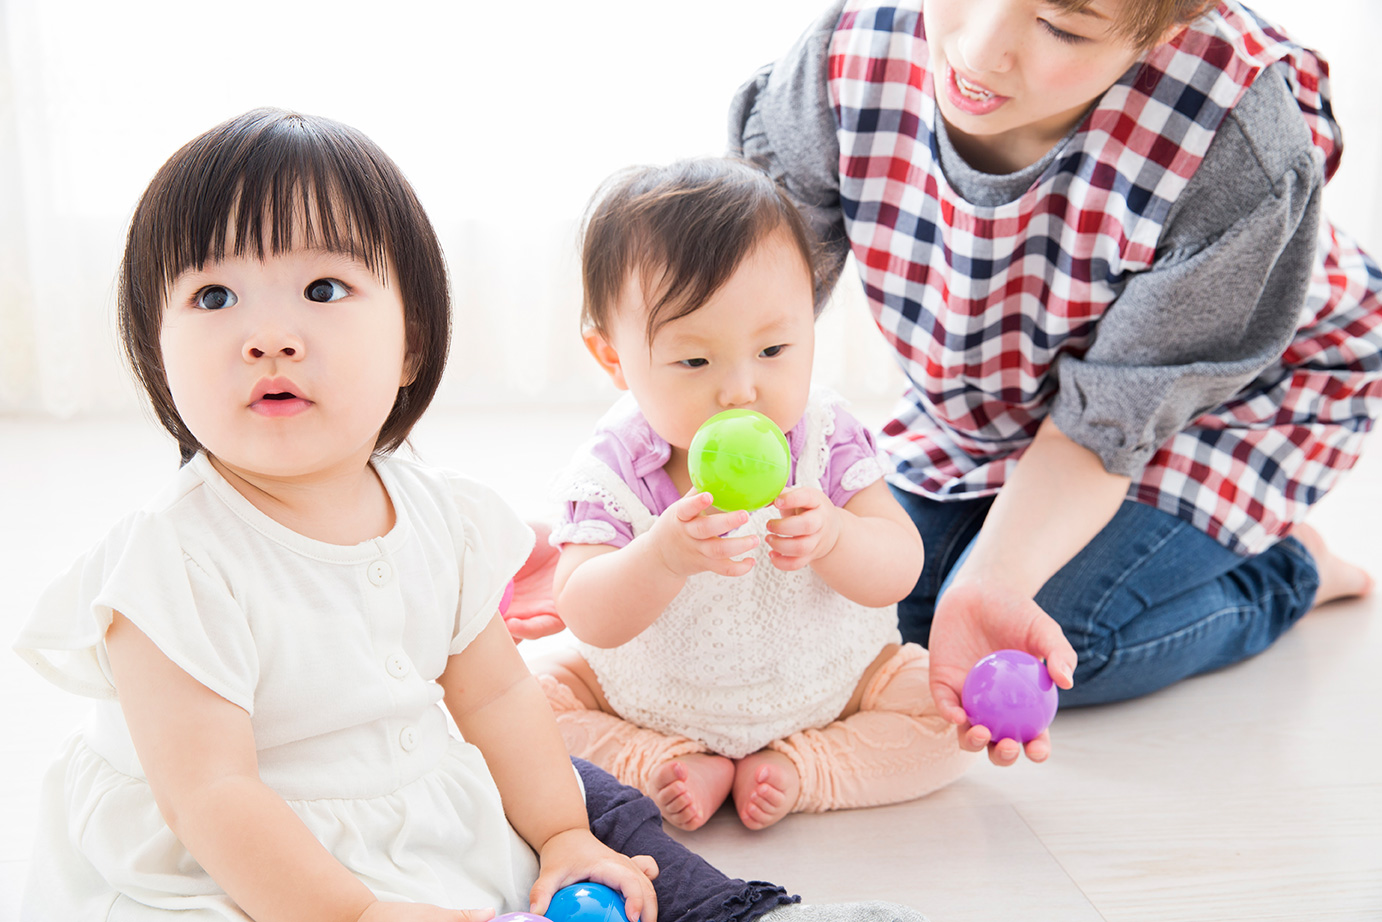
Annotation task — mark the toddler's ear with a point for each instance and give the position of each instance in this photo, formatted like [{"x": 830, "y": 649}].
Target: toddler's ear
[{"x": 607, "y": 356}]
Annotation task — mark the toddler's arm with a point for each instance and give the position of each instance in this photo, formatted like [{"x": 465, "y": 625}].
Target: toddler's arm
[
  {"x": 868, "y": 550},
  {"x": 499, "y": 707},
  {"x": 198, "y": 752},
  {"x": 607, "y": 595}
]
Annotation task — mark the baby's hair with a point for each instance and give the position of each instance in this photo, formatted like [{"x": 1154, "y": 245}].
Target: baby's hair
[
  {"x": 1145, "y": 21},
  {"x": 254, "y": 182},
  {"x": 684, "y": 229}
]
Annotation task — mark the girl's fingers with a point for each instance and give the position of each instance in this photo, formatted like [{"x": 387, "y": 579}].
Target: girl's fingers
[
  {"x": 725, "y": 548},
  {"x": 796, "y": 526},
  {"x": 798, "y": 498},
  {"x": 647, "y": 864},
  {"x": 732, "y": 567},
  {"x": 788, "y": 564},
  {"x": 691, "y": 505},
  {"x": 713, "y": 526}
]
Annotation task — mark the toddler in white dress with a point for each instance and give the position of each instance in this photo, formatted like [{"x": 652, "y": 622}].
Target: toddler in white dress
[{"x": 269, "y": 638}]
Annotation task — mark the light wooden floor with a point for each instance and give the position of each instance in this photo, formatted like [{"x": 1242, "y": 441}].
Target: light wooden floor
[{"x": 1250, "y": 794}]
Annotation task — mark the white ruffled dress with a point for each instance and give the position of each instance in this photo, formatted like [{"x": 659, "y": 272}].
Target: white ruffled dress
[{"x": 333, "y": 651}]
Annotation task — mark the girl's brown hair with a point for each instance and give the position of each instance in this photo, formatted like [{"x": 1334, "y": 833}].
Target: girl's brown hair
[
  {"x": 684, "y": 229},
  {"x": 1144, "y": 22},
  {"x": 254, "y": 182}
]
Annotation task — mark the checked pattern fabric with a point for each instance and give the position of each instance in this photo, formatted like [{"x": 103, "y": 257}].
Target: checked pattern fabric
[{"x": 979, "y": 302}]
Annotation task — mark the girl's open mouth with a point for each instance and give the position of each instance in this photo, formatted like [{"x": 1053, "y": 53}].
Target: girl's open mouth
[{"x": 969, "y": 97}]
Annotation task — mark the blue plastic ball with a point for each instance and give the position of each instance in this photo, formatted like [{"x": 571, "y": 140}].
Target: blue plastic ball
[{"x": 587, "y": 902}]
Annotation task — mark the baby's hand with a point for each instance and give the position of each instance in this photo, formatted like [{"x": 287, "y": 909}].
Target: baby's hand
[
  {"x": 807, "y": 531},
  {"x": 575, "y": 856},
  {"x": 689, "y": 543},
  {"x": 421, "y": 912}
]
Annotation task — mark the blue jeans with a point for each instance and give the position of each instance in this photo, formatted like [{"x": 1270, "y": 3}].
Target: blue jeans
[{"x": 1149, "y": 601}]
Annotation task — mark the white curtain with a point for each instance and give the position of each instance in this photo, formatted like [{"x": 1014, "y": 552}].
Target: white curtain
[{"x": 505, "y": 115}]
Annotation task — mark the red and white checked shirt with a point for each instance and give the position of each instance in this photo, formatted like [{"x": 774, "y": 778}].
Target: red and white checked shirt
[{"x": 980, "y": 302}]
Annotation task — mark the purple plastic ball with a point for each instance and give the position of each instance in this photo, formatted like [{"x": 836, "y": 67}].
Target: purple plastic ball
[
  {"x": 587, "y": 902},
  {"x": 519, "y": 917},
  {"x": 1012, "y": 694}
]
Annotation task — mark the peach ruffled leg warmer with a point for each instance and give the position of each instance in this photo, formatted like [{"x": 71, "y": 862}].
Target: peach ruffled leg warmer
[
  {"x": 627, "y": 751},
  {"x": 896, "y": 747}
]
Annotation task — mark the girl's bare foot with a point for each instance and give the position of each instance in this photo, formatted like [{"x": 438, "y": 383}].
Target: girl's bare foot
[
  {"x": 689, "y": 789},
  {"x": 1339, "y": 579},
  {"x": 766, "y": 785}
]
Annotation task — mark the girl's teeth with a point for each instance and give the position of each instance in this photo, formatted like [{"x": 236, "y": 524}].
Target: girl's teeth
[{"x": 970, "y": 90}]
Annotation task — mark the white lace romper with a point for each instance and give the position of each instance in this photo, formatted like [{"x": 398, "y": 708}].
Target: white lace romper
[{"x": 737, "y": 662}]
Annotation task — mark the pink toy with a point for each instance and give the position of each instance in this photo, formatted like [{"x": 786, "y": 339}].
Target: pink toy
[
  {"x": 1012, "y": 694},
  {"x": 504, "y": 601}
]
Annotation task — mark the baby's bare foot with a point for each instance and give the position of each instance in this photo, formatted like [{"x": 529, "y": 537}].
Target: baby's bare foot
[
  {"x": 1339, "y": 579},
  {"x": 766, "y": 785},
  {"x": 689, "y": 789}
]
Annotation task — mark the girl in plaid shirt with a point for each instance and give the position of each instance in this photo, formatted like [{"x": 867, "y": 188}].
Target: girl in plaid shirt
[{"x": 1137, "y": 354}]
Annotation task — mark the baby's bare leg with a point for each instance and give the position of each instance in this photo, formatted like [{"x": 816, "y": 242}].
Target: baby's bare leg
[{"x": 686, "y": 781}]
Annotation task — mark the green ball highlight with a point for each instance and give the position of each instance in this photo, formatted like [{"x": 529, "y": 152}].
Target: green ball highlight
[{"x": 740, "y": 457}]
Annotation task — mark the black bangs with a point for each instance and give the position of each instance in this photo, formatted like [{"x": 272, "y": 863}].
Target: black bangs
[
  {"x": 260, "y": 185},
  {"x": 252, "y": 184}
]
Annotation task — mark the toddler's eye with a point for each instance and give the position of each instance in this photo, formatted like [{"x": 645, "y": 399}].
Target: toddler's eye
[
  {"x": 324, "y": 290},
  {"x": 772, "y": 351},
  {"x": 215, "y": 297},
  {"x": 693, "y": 363}
]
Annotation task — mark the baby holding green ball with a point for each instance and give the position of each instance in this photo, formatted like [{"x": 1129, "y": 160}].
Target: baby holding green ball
[{"x": 750, "y": 654}]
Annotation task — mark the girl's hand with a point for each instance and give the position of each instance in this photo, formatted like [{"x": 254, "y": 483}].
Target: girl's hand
[
  {"x": 421, "y": 912},
  {"x": 576, "y": 856},
  {"x": 688, "y": 542},
  {"x": 533, "y": 611},
  {"x": 807, "y": 531},
  {"x": 973, "y": 619}
]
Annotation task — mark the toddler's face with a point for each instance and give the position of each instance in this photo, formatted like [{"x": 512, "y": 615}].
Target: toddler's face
[
  {"x": 285, "y": 367},
  {"x": 749, "y": 346},
  {"x": 1021, "y": 72}
]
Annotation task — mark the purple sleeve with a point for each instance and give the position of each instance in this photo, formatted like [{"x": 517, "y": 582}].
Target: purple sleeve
[
  {"x": 626, "y": 445},
  {"x": 853, "y": 461},
  {"x": 590, "y": 523}
]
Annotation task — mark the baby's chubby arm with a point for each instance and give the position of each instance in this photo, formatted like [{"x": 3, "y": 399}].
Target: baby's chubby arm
[
  {"x": 198, "y": 752},
  {"x": 608, "y": 596},
  {"x": 499, "y": 708},
  {"x": 868, "y": 550}
]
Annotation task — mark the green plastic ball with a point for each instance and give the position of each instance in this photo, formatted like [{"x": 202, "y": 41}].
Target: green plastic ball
[{"x": 739, "y": 457}]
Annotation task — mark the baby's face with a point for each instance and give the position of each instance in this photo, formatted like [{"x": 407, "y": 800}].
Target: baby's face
[
  {"x": 285, "y": 367},
  {"x": 749, "y": 346}
]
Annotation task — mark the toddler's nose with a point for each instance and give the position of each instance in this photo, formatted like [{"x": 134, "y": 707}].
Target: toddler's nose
[
  {"x": 273, "y": 340},
  {"x": 738, "y": 391}
]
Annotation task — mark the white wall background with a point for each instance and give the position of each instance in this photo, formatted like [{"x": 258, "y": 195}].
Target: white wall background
[{"x": 505, "y": 115}]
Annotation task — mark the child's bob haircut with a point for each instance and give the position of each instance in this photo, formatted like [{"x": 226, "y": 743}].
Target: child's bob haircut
[
  {"x": 255, "y": 182},
  {"x": 684, "y": 229}
]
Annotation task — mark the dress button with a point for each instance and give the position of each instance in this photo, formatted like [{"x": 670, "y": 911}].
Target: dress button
[
  {"x": 408, "y": 739},
  {"x": 397, "y": 665},
  {"x": 379, "y": 572}
]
